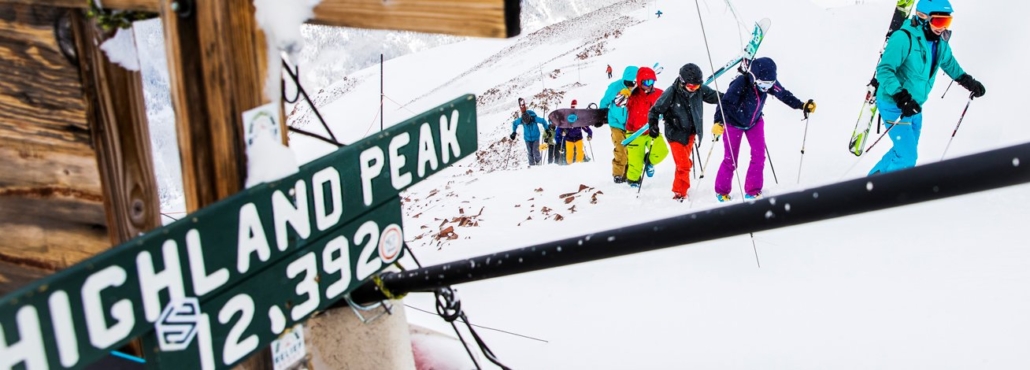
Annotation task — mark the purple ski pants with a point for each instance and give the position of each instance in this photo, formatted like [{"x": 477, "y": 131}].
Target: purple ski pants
[{"x": 731, "y": 143}]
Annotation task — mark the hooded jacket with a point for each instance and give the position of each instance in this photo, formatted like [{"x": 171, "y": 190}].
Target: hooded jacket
[
  {"x": 616, "y": 114},
  {"x": 640, "y": 102},
  {"x": 908, "y": 63},
  {"x": 744, "y": 101},
  {"x": 682, "y": 110},
  {"x": 531, "y": 133}
]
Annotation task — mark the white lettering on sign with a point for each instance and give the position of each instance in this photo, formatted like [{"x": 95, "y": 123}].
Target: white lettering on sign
[
  {"x": 102, "y": 335},
  {"x": 371, "y": 165},
  {"x": 331, "y": 176},
  {"x": 449, "y": 137},
  {"x": 202, "y": 282},
  {"x": 331, "y": 265},
  {"x": 151, "y": 283},
  {"x": 236, "y": 349},
  {"x": 29, "y": 348},
  {"x": 251, "y": 238},
  {"x": 308, "y": 285},
  {"x": 398, "y": 179},
  {"x": 64, "y": 328},
  {"x": 426, "y": 150},
  {"x": 286, "y": 213},
  {"x": 365, "y": 268}
]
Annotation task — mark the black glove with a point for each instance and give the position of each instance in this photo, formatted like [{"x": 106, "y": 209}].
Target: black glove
[
  {"x": 604, "y": 118},
  {"x": 908, "y": 106},
  {"x": 653, "y": 130},
  {"x": 512, "y": 136},
  {"x": 972, "y": 85}
]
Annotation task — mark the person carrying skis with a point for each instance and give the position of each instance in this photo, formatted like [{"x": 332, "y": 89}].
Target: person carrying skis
[
  {"x": 609, "y": 71},
  {"x": 681, "y": 109},
  {"x": 744, "y": 100},
  {"x": 617, "y": 115},
  {"x": 647, "y": 150},
  {"x": 531, "y": 134},
  {"x": 906, "y": 74}
]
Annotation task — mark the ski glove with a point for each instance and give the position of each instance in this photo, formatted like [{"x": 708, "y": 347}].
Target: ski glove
[
  {"x": 604, "y": 118},
  {"x": 543, "y": 146},
  {"x": 654, "y": 132},
  {"x": 718, "y": 129},
  {"x": 808, "y": 108},
  {"x": 512, "y": 136},
  {"x": 908, "y": 106},
  {"x": 972, "y": 85}
]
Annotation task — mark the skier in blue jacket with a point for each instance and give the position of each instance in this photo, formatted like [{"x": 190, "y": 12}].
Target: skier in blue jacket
[
  {"x": 531, "y": 133},
  {"x": 614, "y": 101},
  {"x": 906, "y": 74}
]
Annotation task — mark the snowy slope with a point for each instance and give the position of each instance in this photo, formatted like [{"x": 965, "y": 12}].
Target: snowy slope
[{"x": 938, "y": 285}]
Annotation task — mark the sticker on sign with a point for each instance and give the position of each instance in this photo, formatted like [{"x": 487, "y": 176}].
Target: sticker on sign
[{"x": 289, "y": 350}]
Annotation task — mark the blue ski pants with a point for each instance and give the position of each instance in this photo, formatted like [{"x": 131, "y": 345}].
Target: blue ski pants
[{"x": 905, "y": 138}]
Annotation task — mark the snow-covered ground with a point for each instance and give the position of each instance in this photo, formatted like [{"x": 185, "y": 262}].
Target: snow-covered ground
[{"x": 940, "y": 285}]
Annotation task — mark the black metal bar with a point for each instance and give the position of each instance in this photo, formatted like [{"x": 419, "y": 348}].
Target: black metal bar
[
  {"x": 318, "y": 114},
  {"x": 316, "y": 136},
  {"x": 964, "y": 175}
]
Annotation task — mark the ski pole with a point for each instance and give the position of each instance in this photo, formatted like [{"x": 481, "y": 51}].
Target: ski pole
[
  {"x": 647, "y": 156},
  {"x": 946, "y": 90},
  {"x": 709, "y": 158},
  {"x": 591, "y": 145},
  {"x": 963, "y": 116},
  {"x": 767, "y": 155},
  {"x": 893, "y": 124},
  {"x": 803, "y": 141}
]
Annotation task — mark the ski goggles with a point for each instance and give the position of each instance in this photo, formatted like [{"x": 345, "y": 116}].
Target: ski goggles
[
  {"x": 940, "y": 21},
  {"x": 692, "y": 87},
  {"x": 764, "y": 85},
  {"x": 648, "y": 83}
]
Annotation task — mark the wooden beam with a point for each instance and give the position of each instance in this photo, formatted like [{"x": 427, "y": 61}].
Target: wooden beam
[
  {"x": 139, "y": 5},
  {"x": 480, "y": 18},
  {"x": 217, "y": 64},
  {"x": 51, "y": 205},
  {"x": 477, "y": 18},
  {"x": 118, "y": 120}
]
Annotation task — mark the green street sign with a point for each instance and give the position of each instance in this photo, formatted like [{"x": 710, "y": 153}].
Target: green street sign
[
  {"x": 72, "y": 318},
  {"x": 252, "y": 314}
]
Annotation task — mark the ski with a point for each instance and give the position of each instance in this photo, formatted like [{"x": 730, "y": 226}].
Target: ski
[
  {"x": 750, "y": 50},
  {"x": 859, "y": 136}
]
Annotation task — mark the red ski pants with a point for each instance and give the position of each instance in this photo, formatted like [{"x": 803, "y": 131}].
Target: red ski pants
[{"x": 681, "y": 155}]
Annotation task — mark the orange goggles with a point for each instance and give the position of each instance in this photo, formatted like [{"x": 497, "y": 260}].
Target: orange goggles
[
  {"x": 692, "y": 87},
  {"x": 940, "y": 21}
]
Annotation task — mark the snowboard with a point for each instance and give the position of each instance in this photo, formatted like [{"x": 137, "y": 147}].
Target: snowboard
[{"x": 578, "y": 117}]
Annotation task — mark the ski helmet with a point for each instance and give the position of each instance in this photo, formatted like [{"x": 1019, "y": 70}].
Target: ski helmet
[
  {"x": 934, "y": 6},
  {"x": 690, "y": 73},
  {"x": 765, "y": 69}
]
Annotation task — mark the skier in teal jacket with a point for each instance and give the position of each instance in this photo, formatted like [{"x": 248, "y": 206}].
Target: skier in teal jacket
[
  {"x": 615, "y": 104},
  {"x": 906, "y": 74}
]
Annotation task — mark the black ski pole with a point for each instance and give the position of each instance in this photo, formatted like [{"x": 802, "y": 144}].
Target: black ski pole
[
  {"x": 803, "y": 141},
  {"x": 946, "y": 90},
  {"x": 960, "y": 118},
  {"x": 647, "y": 156},
  {"x": 895, "y": 123},
  {"x": 773, "y": 168}
]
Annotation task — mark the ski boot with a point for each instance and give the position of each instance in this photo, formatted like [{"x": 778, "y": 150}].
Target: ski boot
[
  {"x": 648, "y": 167},
  {"x": 619, "y": 179},
  {"x": 633, "y": 184},
  {"x": 753, "y": 196},
  {"x": 679, "y": 198},
  {"x": 722, "y": 197}
]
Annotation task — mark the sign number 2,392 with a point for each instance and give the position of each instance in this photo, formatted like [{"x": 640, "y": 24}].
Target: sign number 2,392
[{"x": 335, "y": 260}]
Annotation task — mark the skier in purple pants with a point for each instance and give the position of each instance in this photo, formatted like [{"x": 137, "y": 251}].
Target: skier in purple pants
[{"x": 744, "y": 100}]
